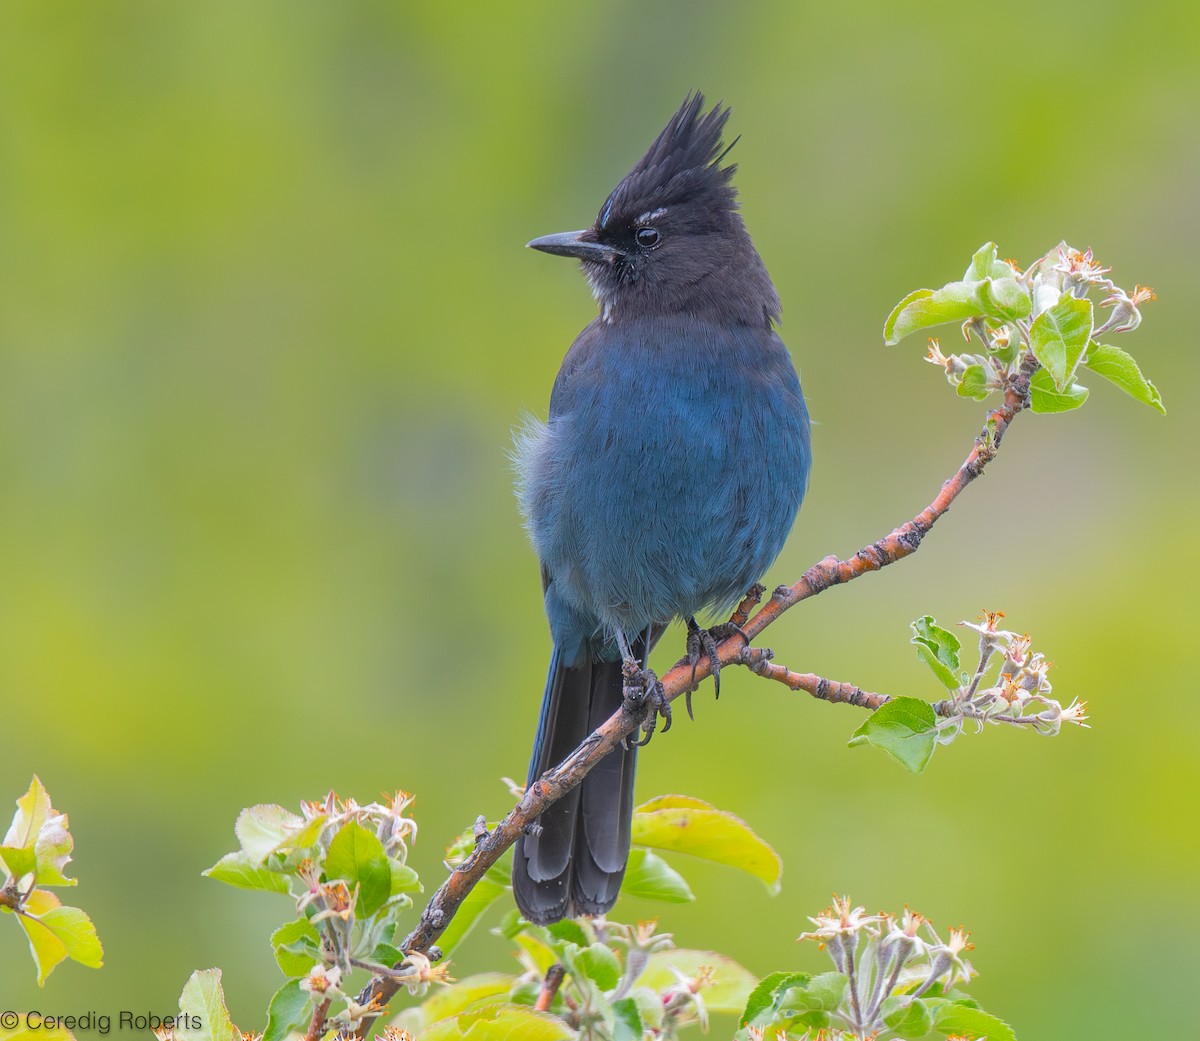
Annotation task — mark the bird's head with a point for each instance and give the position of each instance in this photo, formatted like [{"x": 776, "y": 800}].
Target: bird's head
[{"x": 669, "y": 238}]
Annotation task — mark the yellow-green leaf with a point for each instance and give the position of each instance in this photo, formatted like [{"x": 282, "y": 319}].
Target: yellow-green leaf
[
  {"x": 538, "y": 954},
  {"x": 47, "y": 949},
  {"x": 77, "y": 934},
  {"x": 33, "y": 810},
  {"x": 684, "y": 825},
  {"x": 471, "y": 992},
  {"x": 35, "y": 1032},
  {"x": 500, "y": 1023},
  {"x": 486, "y": 892}
]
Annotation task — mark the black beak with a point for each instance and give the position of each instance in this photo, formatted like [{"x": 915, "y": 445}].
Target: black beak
[{"x": 579, "y": 244}]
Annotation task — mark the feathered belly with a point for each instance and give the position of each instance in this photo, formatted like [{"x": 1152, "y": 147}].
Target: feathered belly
[{"x": 674, "y": 515}]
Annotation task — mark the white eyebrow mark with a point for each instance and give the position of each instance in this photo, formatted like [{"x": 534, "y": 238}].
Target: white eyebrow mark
[{"x": 646, "y": 218}]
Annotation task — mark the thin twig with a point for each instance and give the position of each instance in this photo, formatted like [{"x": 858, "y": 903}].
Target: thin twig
[
  {"x": 316, "y": 1026},
  {"x": 985, "y": 659},
  {"x": 852, "y": 978},
  {"x": 553, "y": 784},
  {"x": 398, "y": 974},
  {"x": 757, "y": 659},
  {"x": 550, "y": 985}
]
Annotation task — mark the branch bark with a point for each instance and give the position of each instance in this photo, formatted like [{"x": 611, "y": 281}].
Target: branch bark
[
  {"x": 553, "y": 784},
  {"x": 550, "y": 985},
  {"x": 316, "y": 1026}
]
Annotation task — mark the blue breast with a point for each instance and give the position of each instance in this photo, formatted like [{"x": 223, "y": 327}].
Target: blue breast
[{"x": 667, "y": 477}]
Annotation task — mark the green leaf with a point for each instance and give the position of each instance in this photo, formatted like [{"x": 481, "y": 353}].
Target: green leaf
[
  {"x": 652, "y": 878},
  {"x": 386, "y": 954},
  {"x": 289, "y": 1012},
  {"x": 984, "y": 264},
  {"x": 598, "y": 963},
  {"x": 731, "y": 985},
  {"x": 627, "y": 1021},
  {"x": 904, "y": 729},
  {"x": 997, "y": 295},
  {"x": 825, "y": 991},
  {"x": 238, "y": 869},
  {"x": 974, "y": 383},
  {"x": 908, "y": 1017},
  {"x": 1045, "y": 397},
  {"x": 954, "y": 302},
  {"x": 787, "y": 999},
  {"x": 890, "y": 335},
  {"x": 1059, "y": 336},
  {"x": 1005, "y": 298},
  {"x": 203, "y": 998},
  {"x": 1118, "y": 367},
  {"x": 569, "y": 931},
  {"x": 650, "y": 1007},
  {"x": 358, "y": 857},
  {"x": 685, "y": 825},
  {"x": 502, "y": 1022},
  {"x": 295, "y": 961},
  {"x": 404, "y": 879},
  {"x": 298, "y": 929},
  {"x": 938, "y": 648},
  {"x": 263, "y": 829},
  {"x": 974, "y": 1022},
  {"x": 763, "y": 1000},
  {"x": 296, "y": 946},
  {"x": 485, "y": 893}
]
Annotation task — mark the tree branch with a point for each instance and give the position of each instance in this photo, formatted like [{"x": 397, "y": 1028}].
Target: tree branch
[
  {"x": 316, "y": 1026},
  {"x": 550, "y": 985},
  {"x": 553, "y": 784},
  {"x": 758, "y": 661}
]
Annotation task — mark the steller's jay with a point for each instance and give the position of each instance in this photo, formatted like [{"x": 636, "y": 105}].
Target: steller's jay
[{"x": 664, "y": 483}]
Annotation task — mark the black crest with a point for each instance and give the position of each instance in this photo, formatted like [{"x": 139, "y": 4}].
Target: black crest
[{"x": 684, "y": 163}]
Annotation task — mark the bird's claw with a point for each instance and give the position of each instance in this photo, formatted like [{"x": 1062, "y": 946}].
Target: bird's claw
[
  {"x": 644, "y": 694},
  {"x": 703, "y": 643}
]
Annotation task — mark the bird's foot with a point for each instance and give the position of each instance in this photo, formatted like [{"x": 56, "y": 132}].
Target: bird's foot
[
  {"x": 703, "y": 643},
  {"x": 644, "y": 694}
]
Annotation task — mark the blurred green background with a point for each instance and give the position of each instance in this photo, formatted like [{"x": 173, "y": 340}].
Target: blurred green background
[{"x": 267, "y": 324}]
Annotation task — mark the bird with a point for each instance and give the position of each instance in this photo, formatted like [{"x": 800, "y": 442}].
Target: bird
[{"x": 662, "y": 485}]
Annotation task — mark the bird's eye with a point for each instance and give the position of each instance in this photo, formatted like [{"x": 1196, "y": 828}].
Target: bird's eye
[{"x": 648, "y": 238}]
